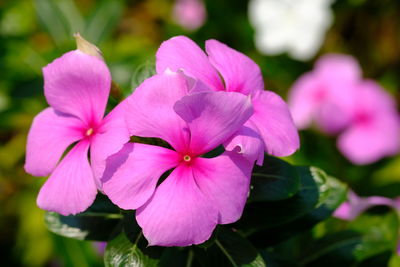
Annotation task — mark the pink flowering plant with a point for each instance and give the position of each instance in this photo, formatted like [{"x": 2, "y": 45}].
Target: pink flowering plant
[{"x": 184, "y": 171}]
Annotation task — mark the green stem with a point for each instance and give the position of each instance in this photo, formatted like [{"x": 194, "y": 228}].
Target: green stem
[
  {"x": 226, "y": 253},
  {"x": 190, "y": 258}
]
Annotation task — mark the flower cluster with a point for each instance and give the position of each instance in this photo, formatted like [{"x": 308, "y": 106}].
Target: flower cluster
[
  {"x": 339, "y": 101},
  {"x": 195, "y": 103}
]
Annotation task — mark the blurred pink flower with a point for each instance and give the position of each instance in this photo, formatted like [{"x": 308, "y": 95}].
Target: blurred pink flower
[
  {"x": 339, "y": 101},
  {"x": 270, "y": 128},
  {"x": 200, "y": 192},
  {"x": 76, "y": 86},
  {"x": 190, "y": 14},
  {"x": 356, "y": 205}
]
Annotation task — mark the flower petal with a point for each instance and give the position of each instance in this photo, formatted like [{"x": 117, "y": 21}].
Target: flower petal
[
  {"x": 71, "y": 188},
  {"x": 213, "y": 117},
  {"x": 275, "y": 125},
  {"x": 178, "y": 214},
  {"x": 131, "y": 175},
  {"x": 249, "y": 142},
  {"x": 78, "y": 84},
  {"x": 240, "y": 73},
  {"x": 182, "y": 53},
  {"x": 111, "y": 137},
  {"x": 150, "y": 113},
  {"x": 367, "y": 143},
  {"x": 225, "y": 180},
  {"x": 50, "y": 135}
]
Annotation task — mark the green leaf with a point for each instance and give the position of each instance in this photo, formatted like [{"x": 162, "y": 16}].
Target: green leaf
[
  {"x": 100, "y": 222},
  {"x": 275, "y": 180},
  {"x": 103, "y": 20},
  {"x": 369, "y": 240},
  {"x": 268, "y": 223},
  {"x": 229, "y": 249},
  {"x": 122, "y": 252}
]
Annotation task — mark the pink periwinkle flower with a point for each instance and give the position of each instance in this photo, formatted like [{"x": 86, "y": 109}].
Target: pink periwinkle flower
[
  {"x": 190, "y": 14},
  {"x": 335, "y": 96},
  {"x": 199, "y": 192},
  {"x": 76, "y": 86},
  {"x": 270, "y": 128},
  {"x": 356, "y": 205}
]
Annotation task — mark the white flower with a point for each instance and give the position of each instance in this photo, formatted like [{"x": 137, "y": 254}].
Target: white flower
[{"x": 295, "y": 26}]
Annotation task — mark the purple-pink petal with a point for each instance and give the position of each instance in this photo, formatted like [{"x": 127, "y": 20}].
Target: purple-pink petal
[
  {"x": 181, "y": 53},
  {"x": 240, "y": 73},
  {"x": 178, "y": 214},
  {"x": 71, "y": 188},
  {"x": 274, "y": 124},
  {"x": 247, "y": 142},
  {"x": 109, "y": 139},
  {"x": 213, "y": 117},
  {"x": 131, "y": 175},
  {"x": 78, "y": 84},
  {"x": 50, "y": 135},
  {"x": 225, "y": 180},
  {"x": 150, "y": 113}
]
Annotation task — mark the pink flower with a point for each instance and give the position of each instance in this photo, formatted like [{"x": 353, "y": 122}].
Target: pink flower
[
  {"x": 76, "y": 86},
  {"x": 356, "y": 205},
  {"x": 198, "y": 193},
  {"x": 374, "y": 128},
  {"x": 190, "y": 14},
  {"x": 340, "y": 102},
  {"x": 325, "y": 94},
  {"x": 270, "y": 128}
]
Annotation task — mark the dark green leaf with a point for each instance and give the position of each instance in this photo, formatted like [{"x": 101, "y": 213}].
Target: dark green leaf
[
  {"x": 275, "y": 180},
  {"x": 100, "y": 222},
  {"x": 271, "y": 222},
  {"x": 229, "y": 249},
  {"x": 122, "y": 252}
]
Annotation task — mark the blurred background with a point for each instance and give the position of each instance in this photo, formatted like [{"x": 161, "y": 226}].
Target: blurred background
[{"x": 33, "y": 33}]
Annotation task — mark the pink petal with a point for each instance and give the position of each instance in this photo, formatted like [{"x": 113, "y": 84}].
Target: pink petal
[
  {"x": 131, "y": 175},
  {"x": 150, "y": 113},
  {"x": 338, "y": 68},
  {"x": 344, "y": 212},
  {"x": 181, "y": 53},
  {"x": 50, "y": 135},
  {"x": 71, "y": 188},
  {"x": 213, "y": 117},
  {"x": 110, "y": 138},
  {"x": 305, "y": 97},
  {"x": 78, "y": 84},
  {"x": 225, "y": 180},
  {"x": 365, "y": 143},
  {"x": 247, "y": 142},
  {"x": 178, "y": 214},
  {"x": 275, "y": 125},
  {"x": 240, "y": 73}
]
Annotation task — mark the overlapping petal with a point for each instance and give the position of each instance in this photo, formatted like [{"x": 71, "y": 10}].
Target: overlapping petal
[
  {"x": 109, "y": 139},
  {"x": 213, "y": 117},
  {"x": 240, "y": 73},
  {"x": 225, "y": 180},
  {"x": 178, "y": 214},
  {"x": 50, "y": 135},
  {"x": 247, "y": 142},
  {"x": 181, "y": 53},
  {"x": 71, "y": 188},
  {"x": 274, "y": 124},
  {"x": 131, "y": 175},
  {"x": 78, "y": 84},
  {"x": 149, "y": 111}
]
